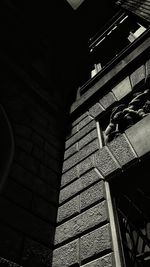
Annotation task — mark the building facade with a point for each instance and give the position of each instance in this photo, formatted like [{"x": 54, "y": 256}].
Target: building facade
[
  {"x": 103, "y": 216},
  {"x": 87, "y": 206}
]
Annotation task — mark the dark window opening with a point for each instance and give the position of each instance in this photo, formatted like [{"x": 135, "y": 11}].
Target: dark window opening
[{"x": 131, "y": 196}]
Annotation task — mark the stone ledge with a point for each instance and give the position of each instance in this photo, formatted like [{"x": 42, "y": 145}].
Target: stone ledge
[
  {"x": 122, "y": 151},
  {"x": 139, "y": 136}
]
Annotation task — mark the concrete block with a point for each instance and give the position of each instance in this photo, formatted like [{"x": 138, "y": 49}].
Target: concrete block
[
  {"x": 71, "y": 151},
  {"x": 70, "y": 208},
  {"x": 83, "y": 153},
  {"x": 92, "y": 195},
  {"x": 106, "y": 261},
  {"x": 96, "y": 242},
  {"x": 81, "y": 223},
  {"x": 67, "y": 255},
  {"x": 90, "y": 177},
  {"x": 106, "y": 163},
  {"x": 80, "y": 118},
  {"x": 78, "y": 185},
  {"x": 122, "y": 150},
  {"x": 138, "y": 136},
  {"x": 122, "y": 89},
  {"x": 88, "y": 149},
  {"x": 89, "y": 127},
  {"x": 138, "y": 77},
  {"x": 96, "y": 110},
  {"x": 70, "y": 190},
  {"x": 72, "y": 131},
  {"x": 107, "y": 100},
  {"x": 69, "y": 176},
  {"x": 84, "y": 122},
  {"x": 86, "y": 164},
  {"x": 87, "y": 139},
  {"x": 84, "y": 131}
]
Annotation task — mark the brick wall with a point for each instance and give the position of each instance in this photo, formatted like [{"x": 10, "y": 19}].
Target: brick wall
[
  {"x": 85, "y": 233},
  {"x": 28, "y": 203}
]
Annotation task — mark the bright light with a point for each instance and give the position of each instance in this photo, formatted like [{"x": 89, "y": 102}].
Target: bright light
[{"x": 123, "y": 19}]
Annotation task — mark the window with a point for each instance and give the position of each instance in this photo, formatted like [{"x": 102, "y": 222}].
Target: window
[
  {"x": 108, "y": 45},
  {"x": 117, "y": 35},
  {"x": 131, "y": 197}
]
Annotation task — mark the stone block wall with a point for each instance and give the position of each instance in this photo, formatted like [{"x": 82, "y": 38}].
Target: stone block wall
[
  {"x": 86, "y": 233},
  {"x": 29, "y": 200},
  {"x": 82, "y": 218}
]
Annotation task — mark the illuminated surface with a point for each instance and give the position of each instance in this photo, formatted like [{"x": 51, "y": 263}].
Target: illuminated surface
[{"x": 75, "y": 3}]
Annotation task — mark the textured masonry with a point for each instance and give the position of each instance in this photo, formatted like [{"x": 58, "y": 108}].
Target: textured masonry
[
  {"x": 95, "y": 242},
  {"x": 83, "y": 234},
  {"x": 29, "y": 200},
  {"x": 66, "y": 255},
  {"x": 81, "y": 223}
]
